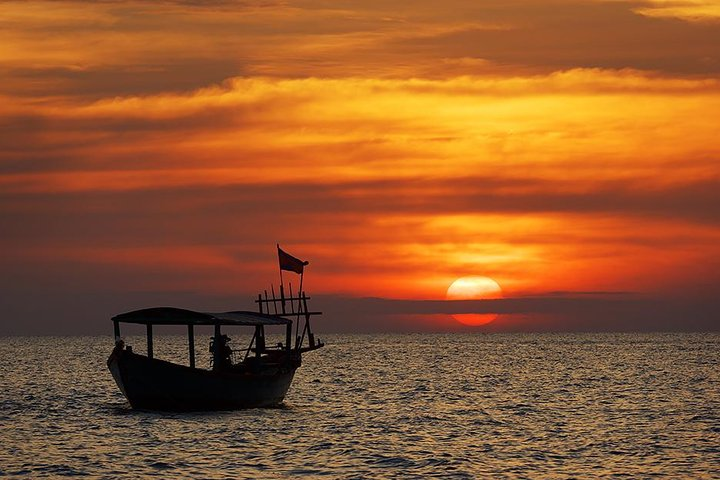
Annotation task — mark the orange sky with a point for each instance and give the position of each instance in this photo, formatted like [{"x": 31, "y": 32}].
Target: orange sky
[{"x": 558, "y": 146}]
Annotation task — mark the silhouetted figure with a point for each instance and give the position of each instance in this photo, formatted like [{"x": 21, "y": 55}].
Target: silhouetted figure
[
  {"x": 117, "y": 351},
  {"x": 224, "y": 357}
]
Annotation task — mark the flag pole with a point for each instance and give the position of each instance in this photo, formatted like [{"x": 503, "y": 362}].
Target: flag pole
[
  {"x": 282, "y": 283},
  {"x": 300, "y": 291},
  {"x": 281, "y": 278},
  {"x": 297, "y": 320}
]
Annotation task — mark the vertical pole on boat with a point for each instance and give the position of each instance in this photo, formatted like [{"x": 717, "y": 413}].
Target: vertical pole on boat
[
  {"x": 267, "y": 302},
  {"x": 281, "y": 282},
  {"x": 282, "y": 296},
  {"x": 291, "y": 296},
  {"x": 311, "y": 337},
  {"x": 292, "y": 310},
  {"x": 297, "y": 320},
  {"x": 191, "y": 345},
  {"x": 252, "y": 341},
  {"x": 282, "y": 287},
  {"x": 149, "y": 340},
  {"x": 272, "y": 290},
  {"x": 300, "y": 291},
  {"x": 259, "y": 340},
  {"x": 217, "y": 350},
  {"x": 288, "y": 336}
]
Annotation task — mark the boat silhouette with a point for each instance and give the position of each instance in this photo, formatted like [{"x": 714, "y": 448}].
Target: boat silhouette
[{"x": 260, "y": 379}]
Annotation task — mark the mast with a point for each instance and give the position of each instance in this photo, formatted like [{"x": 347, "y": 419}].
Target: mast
[{"x": 295, "y": 310}]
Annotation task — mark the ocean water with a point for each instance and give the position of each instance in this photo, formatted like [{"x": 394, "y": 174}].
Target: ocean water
[{"x": 383, "y": 406}]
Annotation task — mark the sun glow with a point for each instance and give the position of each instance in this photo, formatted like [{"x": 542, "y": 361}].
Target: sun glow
[{"x": 474, "y": 288}]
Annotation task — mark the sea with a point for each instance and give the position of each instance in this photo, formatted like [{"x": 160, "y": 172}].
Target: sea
[{"x": 408, "y": 406}]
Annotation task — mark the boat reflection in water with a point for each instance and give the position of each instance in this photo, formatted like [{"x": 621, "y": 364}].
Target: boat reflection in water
[{"x": 261, "y": 378}]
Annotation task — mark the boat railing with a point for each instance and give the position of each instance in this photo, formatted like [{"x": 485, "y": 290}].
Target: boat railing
[{"x": 294, "y": 307}]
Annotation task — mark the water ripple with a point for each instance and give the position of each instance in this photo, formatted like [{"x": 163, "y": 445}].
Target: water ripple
[{"x": 387, "y": 406}]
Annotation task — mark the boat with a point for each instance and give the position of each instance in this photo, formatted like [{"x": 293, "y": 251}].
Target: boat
[{"x": 257, "y": 376}]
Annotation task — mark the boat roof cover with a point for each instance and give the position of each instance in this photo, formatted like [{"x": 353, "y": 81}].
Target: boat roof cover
[{"x": 180, "y": 316}]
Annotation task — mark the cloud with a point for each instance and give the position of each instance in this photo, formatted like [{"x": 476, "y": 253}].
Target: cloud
[
  {"x": 350, "y": 128},
  {"x": 692, "y": 10},
  {"x": 562, "y": 35},
  {"x": 103, "y": 80},
  {"x": 119, "y": 48},
  {"x": 376, "y": 237},
  {"x": 478, "y": 195}
]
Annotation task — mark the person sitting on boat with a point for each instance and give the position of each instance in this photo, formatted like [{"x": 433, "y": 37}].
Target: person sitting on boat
[
  {"x": 117, "y": 351},
  {"x": 225, "y": 352}
]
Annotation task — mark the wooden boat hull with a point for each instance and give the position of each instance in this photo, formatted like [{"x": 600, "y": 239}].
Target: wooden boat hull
[{"x": 154, "y": 384}]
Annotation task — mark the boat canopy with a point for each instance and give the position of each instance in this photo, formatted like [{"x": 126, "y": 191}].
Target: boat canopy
[{"x": 180, "y": 316}]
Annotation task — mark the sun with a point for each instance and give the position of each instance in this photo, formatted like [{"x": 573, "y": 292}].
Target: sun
[{"x": 474, "y": 288}]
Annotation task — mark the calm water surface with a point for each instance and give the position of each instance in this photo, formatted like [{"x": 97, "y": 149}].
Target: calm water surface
[{"x": 384, "y": 406}]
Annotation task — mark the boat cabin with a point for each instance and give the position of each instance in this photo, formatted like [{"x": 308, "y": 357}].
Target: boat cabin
[{"x": 223, "y": 357}]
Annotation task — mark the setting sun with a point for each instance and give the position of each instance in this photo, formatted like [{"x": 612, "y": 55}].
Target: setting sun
[{"x": 474, "y": 288}]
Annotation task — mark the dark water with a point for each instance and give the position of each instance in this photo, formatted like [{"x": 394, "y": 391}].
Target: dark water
[{"x": 387, "y": 406}]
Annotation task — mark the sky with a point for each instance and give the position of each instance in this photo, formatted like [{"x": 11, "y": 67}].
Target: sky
[{"x": 154, "y": 153}]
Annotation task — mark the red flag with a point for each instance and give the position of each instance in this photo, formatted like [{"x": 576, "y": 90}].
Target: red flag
[{"x": 290, "y": 263}]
